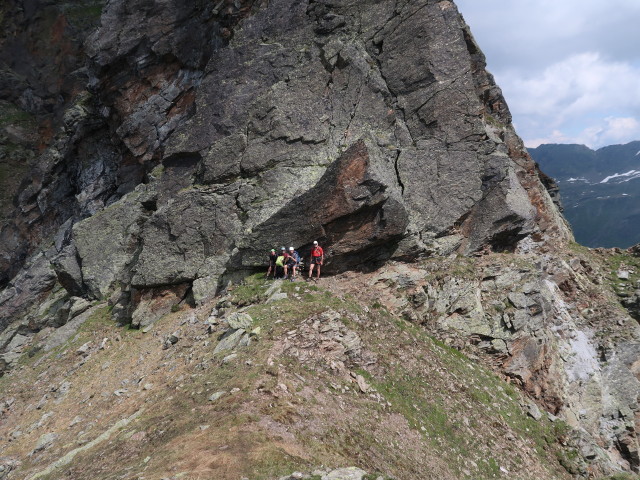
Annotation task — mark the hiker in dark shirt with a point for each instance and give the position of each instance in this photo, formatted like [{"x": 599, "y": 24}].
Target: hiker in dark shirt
[
  {"x": 291, "y": 264},
  {"x": 272, "y": 263}
]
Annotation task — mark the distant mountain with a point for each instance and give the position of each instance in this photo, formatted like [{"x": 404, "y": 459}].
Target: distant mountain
[{"x": 600, "y": 190}]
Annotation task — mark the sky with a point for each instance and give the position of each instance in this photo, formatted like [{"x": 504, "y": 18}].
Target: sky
[{"x": 568, "y": 69}]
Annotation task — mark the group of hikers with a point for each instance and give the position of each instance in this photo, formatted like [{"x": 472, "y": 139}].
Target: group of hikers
[{"x": 286, "y": 263}]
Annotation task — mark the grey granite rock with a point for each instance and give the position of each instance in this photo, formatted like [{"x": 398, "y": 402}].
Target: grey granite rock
[
  {"x": 26, "y": 290},
  {"x": 216, "y": 396},
  {"x": 239, "y": 320},
  {"x": 349, "y": 473},
  {"x": 229, "y": 341},
  {"x": 107, "y": 242},
  {"x": 45, "y": 441}
]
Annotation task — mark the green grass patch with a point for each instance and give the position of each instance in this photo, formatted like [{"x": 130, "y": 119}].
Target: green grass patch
[
  {"x": 250, "y": 291},
  {"x": 12, "y": 115},
  {"x": 101, "y": 317},
  {"x": 624, "y": 261},
  {"x": 491, "y": 120},
  {"x": 273, "y": 462},
  {"x": 430, "y": 408}
]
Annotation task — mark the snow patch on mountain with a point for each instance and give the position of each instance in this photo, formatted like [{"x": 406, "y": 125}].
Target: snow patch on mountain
[
  {"x": 580, "y": 179},
  {"x": 630, "y": 175}
]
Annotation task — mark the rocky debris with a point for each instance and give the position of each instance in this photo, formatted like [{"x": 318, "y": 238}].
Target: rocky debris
[
  {"x": 523, "y": 318},
  {"x": 76, "y": 420},
  {"x": 85, "y": 349},
  {"x": 41, "y": 404},
  {"x": 236, "y": 333},
  {"x": 623, "y": 274},
  {"x": 61, "y": 391},
  {"x": 104, "y": 436},
  {"x": 7, "y": 464},
  {"x": 229, "y": 358},
  {"x": 239, "y": 320},
  {"x": 60, "y": 335},
  {"x": 6, "y": 404},
  {"x": 213, "y": 317},
  {"x": 533, "y": 411},
  {"x": 229, "y": 340},
  {"x": 627, "y": 272},
  {"x": 45, "y": 441},
  {"x": 42, "y": 421},
  {"x": 347, "y": 473},
  {"x": 78, "y": 306},
  {"x": 171, "y": 339},
  {"x": 634, "y": 250},
  {"x": 632, "y": 304},
  {"x": 362, "y": 383},
  {"x": 276, "y": 297},
  {"x": 325, "y": 341},
  {"x": 13, "y": 351},
  {"x": 215, "y": 396}
]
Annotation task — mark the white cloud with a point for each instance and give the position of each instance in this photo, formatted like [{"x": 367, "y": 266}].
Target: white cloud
[
  {"x": 530, "y": 34},
  {"x": 581, "y": 84},
  {"x": 583, "y": 99},
  {"x": 569, "y": 71}
]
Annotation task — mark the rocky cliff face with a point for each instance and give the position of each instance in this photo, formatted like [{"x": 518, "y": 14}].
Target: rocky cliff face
[
  {"x": 201, "y": 134},
  {"x": 237, "y": 122}
]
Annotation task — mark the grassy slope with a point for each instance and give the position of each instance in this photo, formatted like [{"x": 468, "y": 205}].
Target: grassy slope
[{"x": 291, "y": 404}]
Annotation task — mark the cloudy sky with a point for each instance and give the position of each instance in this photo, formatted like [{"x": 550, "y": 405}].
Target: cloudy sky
[{"x": 569, "y": 69}]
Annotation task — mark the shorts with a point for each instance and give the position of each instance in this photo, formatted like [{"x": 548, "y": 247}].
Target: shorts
[
  {"x": 316, "y": 261},
  {"x": 292, "y": 264}
]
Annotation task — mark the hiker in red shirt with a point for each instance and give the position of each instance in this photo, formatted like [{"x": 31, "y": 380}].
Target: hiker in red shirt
[{"x": 317, "y": 257}]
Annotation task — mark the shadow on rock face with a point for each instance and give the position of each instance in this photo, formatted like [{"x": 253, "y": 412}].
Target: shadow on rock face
[{"x": 350, "y": 211}]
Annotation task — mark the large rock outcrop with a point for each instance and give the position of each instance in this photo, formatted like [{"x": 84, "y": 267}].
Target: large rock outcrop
[
  {"x": 251, "y": 125},
  {"x": 312, "y": 122}
]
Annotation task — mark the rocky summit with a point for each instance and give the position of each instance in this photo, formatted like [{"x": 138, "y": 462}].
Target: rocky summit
[{"x": 153, "y": 152}]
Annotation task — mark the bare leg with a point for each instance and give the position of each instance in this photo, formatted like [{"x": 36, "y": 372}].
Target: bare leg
[
  {"x": 318, "y": 271},
  {"x": 310, "y": 270}
]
